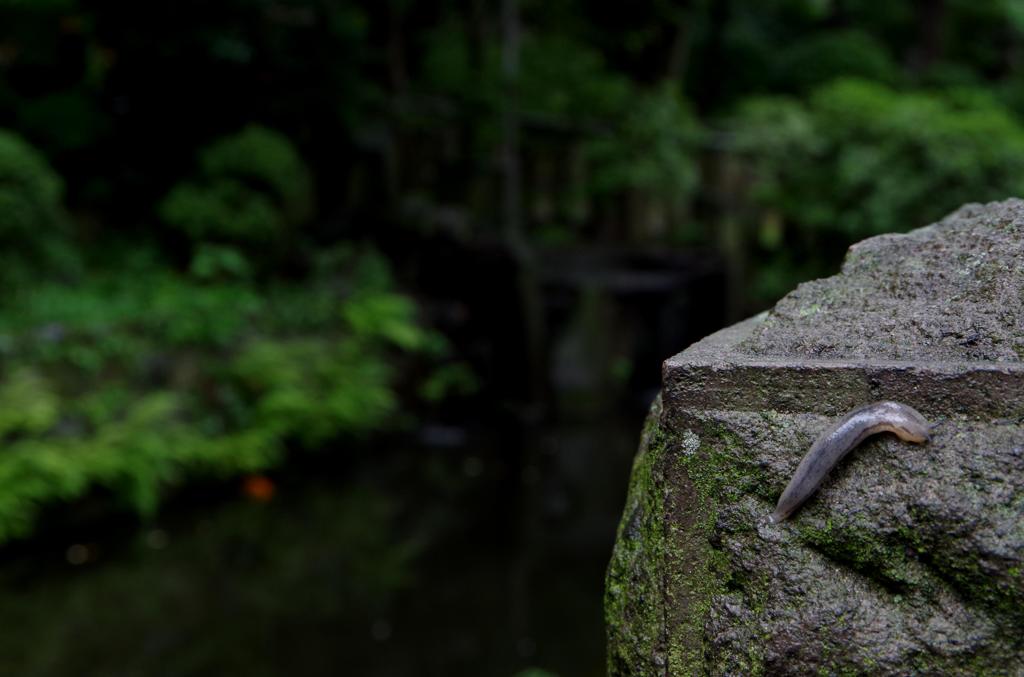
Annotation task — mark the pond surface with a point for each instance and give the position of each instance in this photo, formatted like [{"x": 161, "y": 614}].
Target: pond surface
[{"x": 464, "y": 553}]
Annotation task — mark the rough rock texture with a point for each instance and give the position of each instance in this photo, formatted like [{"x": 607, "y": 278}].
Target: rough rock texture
[
  {"x": 951, "y": 291},
  {"x": 910, "y": 559}
]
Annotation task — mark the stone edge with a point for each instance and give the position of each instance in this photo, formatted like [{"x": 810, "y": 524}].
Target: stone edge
[{"x": 714, "y": 374}]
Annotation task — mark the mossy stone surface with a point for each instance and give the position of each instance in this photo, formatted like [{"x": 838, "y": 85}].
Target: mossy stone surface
[{"x": 909, "y": 559}]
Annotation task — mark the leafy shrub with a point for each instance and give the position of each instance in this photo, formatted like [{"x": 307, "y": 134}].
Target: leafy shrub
[
  {"x": 620, "y": 141},
  {"x": 653, "y": 150},
  {"x": 27, "y": 404},
  {"x": 314, "y": 389},
  {"x": 267, "y": 162},
  {"x": 565, "y": 77},
  {"x": 383, "y": 316},
  {"x": 222, "y": 211},
  {"x": 859, "y": 158},
  {"x": 863, "y": 159},
  {"x": 252, "y": 189},
  {"x": 136, "y": 381},
  {"x": 823, "y": 57},
  {"x": 650, "y": 159},
  {"x": 30, "y": 195},
  {"x": 560, "y": 78}
]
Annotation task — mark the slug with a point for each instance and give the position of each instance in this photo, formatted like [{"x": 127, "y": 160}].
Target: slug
[{"x": 838, "y": 439}]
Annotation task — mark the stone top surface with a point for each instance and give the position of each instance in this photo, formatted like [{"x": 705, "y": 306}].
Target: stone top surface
[{"x": 950, "y": 292}]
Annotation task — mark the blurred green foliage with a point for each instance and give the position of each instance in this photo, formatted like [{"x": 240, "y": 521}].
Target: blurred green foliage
[
  {"x": 849, "y": 119},
  {"x": 654, "y": 149},
  {"x": 138, "y": 380},
  {"x": 824, "y": 56},
  {"x": 31, "y": 218},
  {"x": 857, "y": 159},
  {"x": 253, "y": 190},
  {"x": 182, "y": 185}
]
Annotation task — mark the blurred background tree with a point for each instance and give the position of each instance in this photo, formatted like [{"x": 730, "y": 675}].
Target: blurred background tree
[{"x": 435, "y": 248}]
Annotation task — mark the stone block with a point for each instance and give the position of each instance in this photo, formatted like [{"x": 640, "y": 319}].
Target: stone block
[{"x": 909, "y": 559}]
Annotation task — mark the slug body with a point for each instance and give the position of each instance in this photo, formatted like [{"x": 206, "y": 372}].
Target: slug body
[{"x": 839, "y": 439}]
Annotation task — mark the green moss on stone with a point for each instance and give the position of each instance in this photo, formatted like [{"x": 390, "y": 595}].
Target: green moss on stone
[
  {"x": 710, "y": 461},
  {"x": 634, "y": 593},
  {"x": 861, "y": 549}
]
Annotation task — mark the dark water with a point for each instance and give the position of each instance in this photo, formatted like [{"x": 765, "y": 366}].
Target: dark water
[{"x": 432, "y": 560}]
